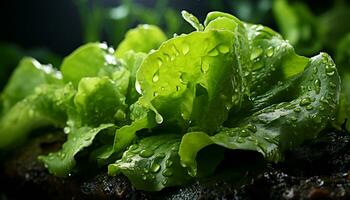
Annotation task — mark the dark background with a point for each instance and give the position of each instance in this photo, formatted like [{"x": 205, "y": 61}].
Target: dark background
[{"x": 48, "y": 30}]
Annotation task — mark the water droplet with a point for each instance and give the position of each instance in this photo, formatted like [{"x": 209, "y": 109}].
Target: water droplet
[
  {"x": 309, "y": 107},
  {"x": 256, "y": 53},
  {"x": 185, "y": 49},
  {"x": 178, "y": 88},
  {"x": 168, "y": 163},
  {"x": 155, "y": 93},
  {"x": 160, "y": 156},
  {"x": 167, "y": 173},
  {"x": 297, "y": 110},
  {"x": 239, "y": 140},
  {"x": 214, "y": 52},
  {"x": 176, "y": 51},
  {"x": 66, "y": 130},
  {"x": 133, "y": 147},
  {"x": 165, "y": 182},
  {"x": 317, "y": 119},
  {"x": 146, "y": 153},
  {"x": 252, "y": 128},
  {"x": 155, "y": 76},
  {"x": 269, "y": 51},
  {"x": 166, "y": 56},
  {"x": 223, "y": 49},
  {"x": 160, "y": 62},
  {"x": 317, "y": 85},
  {"x": 257, "y": 65},
  {"x": 155, "y": 167},
  {"x": 145, "y": 170},
  {"x": 144, "y": 177},
  {"x": 293, "y": 118},
  {"x": 304, "y": 102},
  {"x": 159, "y": 118},
  {"x": 138, "y": 87},
  {"x": 333, "y": 85}
]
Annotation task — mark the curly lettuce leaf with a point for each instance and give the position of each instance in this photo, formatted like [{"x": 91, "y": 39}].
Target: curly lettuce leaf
[
  {"x": 193, "y": 75},
  {"x": 99, "y": 101},
  {"x": 88, "y": 61},
  {"x": 152, "y": 163},
  {"x": 296, "y": 111},
  {"x": 143, "y": 38},
  {"x": 62, "y": 162},
  {"x": 46, "y": 107},
  {"x": 28, "y": 75}
]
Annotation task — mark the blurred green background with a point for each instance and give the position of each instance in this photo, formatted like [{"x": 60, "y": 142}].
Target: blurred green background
[{"x": 50, "y": 30}]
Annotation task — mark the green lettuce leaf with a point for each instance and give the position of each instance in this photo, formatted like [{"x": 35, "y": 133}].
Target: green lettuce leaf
[
  {"x": 62, "y": 162},
  {"x": 152, "y": 163},
  {"x": 88, "y": 61},
  {"x": 46, "y": 107},
  {"x": 143, "y": 38},
  {"x": 193, "y": 75},
  {"x": 99, "y": 101},
  {"x": 28, "y": 75},
  {"x": 296, "y": 111}
]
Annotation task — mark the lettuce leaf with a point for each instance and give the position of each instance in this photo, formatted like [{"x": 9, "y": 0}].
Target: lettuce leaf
[
  {"x": 62, "y": 162},
  {"x": 281, "y": 124},
  {"x": 152, "y": 163},
  {"x": 46, "y": 107},
  {"x": 143, "y": 38},
  {"x": 193, "y": 75}
]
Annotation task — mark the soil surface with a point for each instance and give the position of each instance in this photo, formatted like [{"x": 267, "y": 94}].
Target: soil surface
[{"x": 316, "y": 170}]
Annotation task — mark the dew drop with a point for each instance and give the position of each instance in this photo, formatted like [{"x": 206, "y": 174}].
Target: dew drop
[
  {"x": 146, "y": 153},
  {"x": 167, "y": 173},
  {"x": 257, "y": 65},
  {"x": 138, "y": 87},
  {"x": 66, "y": 130},
  {"x": 185, "y": 49},
  {"x": 317, "y": 119},
  {"x": 214, "y": 52},
  {"x": 155, "y": 76},
  {"x": 304, "y": 102},
  {"x": 159, "y": 118},
  {"x": 309, "y": 107},
  {"x": 240, "y": 140},
  {"x": 176, "y": 51},
  {"x": 165, "y": 182},
  {"x": 160, "y": 62},
  {"x": 252, "y": 128},
  {"x": 297, "y": 110},
  {"x": 269, "y": 51},
  {"x": 155, "y": 167},
  {"x": 168, "y": 163},
  {"x": 223, "y": 49},
  {"x": 155, "y": 93},
  {"x": 256, "y": 53}
]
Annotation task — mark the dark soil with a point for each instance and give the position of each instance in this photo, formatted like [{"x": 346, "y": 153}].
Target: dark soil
[{"x": 316, "y": 170}]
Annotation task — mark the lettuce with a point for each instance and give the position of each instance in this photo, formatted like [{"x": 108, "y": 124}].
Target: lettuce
[{"x": 151, "y": 109}]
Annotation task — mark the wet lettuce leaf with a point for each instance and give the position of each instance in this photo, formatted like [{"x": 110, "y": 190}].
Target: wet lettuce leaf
[
  {"x": 163, "y": 112},
  {"x": 46, "y": 107},
  {"x": 143, "y": 38},
  {"x": 62, "y": 162},
  {"x": 28, "y": 75},
  {"x": 284, "y": 122},
  {"x": 152, "y": 163}
]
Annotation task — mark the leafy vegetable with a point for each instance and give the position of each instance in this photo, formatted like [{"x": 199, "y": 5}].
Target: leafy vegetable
[{"x": 163, "y": 112}]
